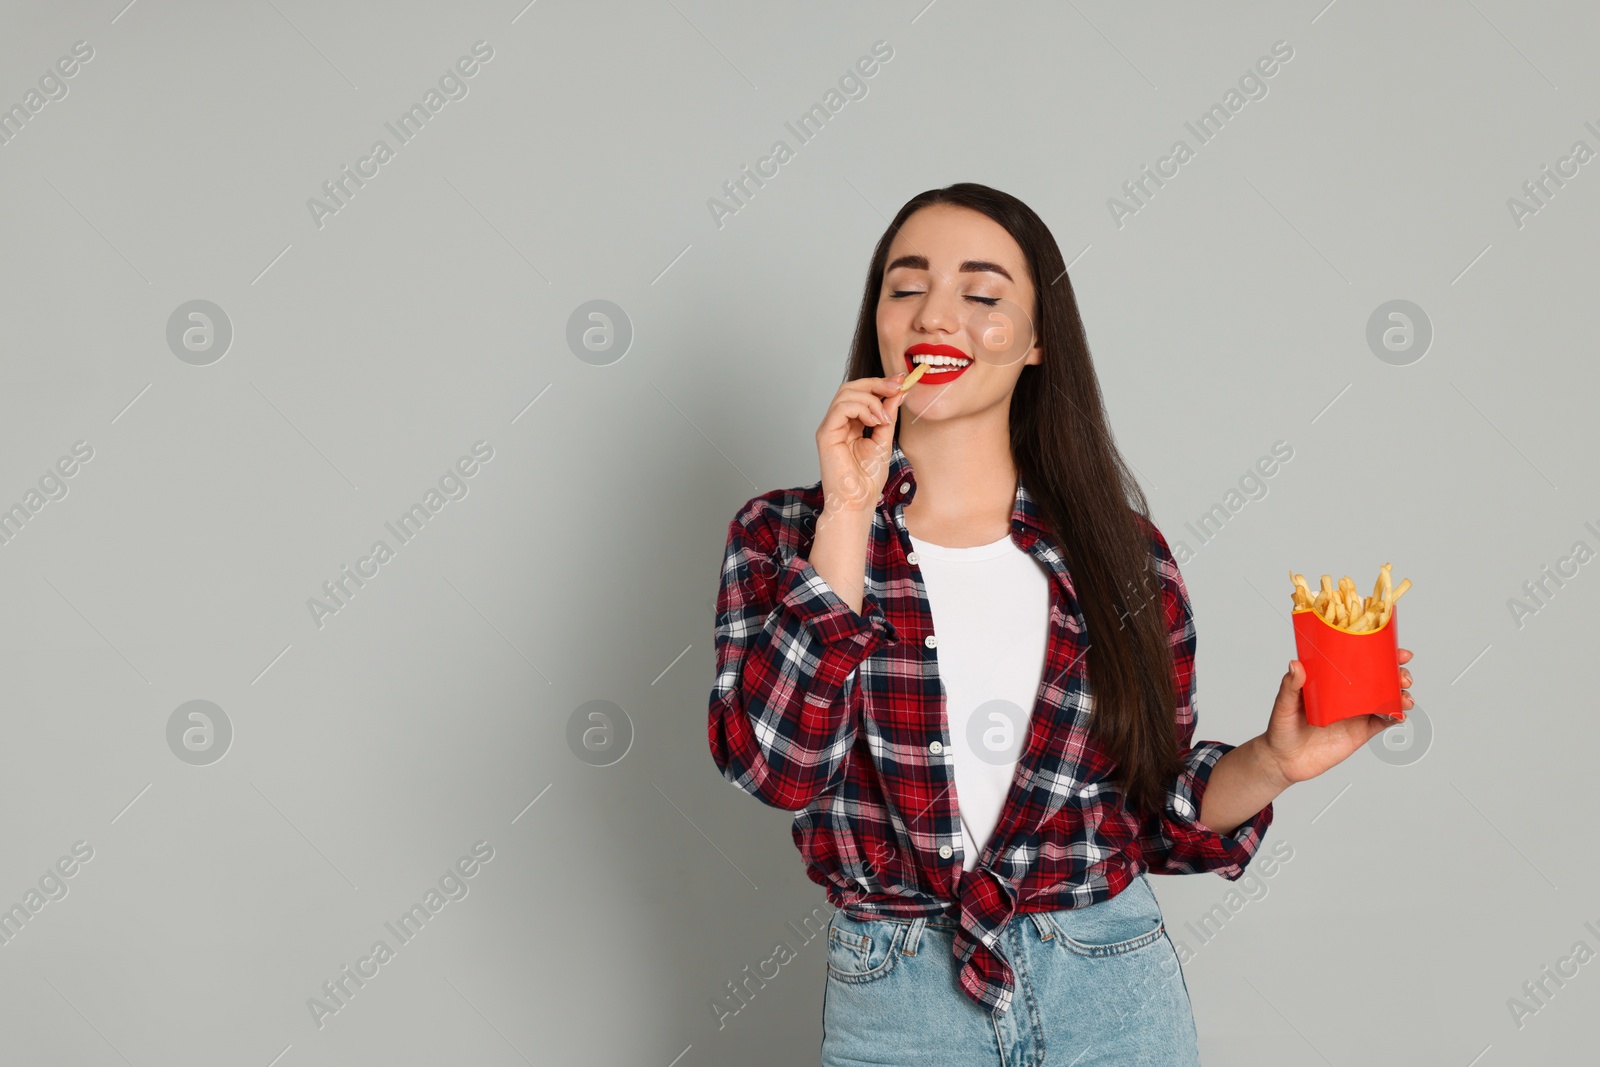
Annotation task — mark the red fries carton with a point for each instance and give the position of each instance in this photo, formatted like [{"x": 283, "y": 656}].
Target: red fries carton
[{"x": 1347, "y": 673}]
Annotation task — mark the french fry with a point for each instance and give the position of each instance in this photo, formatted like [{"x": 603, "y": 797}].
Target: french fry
[
  {"x": 911, "y": 379},
  {"x": 1341, "y": 606},
  {"x": 1302, "y": 592}
]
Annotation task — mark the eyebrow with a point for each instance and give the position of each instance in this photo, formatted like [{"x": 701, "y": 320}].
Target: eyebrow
[{"x": 921, "y": 263}]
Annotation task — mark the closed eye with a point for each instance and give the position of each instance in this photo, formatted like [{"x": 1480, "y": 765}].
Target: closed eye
[{"x": 991, "y": 301}]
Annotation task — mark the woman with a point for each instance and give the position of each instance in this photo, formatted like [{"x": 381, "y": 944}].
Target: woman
[{"x": 965, "y": 660}]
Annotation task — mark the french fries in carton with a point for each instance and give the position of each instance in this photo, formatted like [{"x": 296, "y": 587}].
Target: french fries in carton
[{"x": 1349, "y": 646}]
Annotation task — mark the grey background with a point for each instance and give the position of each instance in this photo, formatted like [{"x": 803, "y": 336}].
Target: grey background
[{"x": 431, "y": 312}]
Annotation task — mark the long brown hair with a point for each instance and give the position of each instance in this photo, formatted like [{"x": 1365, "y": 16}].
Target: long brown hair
[{"x": 1086, "y": 494}]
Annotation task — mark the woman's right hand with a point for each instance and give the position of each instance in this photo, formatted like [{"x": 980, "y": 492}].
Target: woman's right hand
[{"x": 854, "y": 468}]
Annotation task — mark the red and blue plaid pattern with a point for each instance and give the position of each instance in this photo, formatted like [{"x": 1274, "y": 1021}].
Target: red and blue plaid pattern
[{"x": 839, "y": 717}]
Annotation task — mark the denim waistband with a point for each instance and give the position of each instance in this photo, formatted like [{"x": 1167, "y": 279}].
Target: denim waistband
[{"x": 949, "y": 921}]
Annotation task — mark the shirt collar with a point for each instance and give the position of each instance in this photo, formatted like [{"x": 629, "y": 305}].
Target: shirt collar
[{"x": 900, "y": 488}]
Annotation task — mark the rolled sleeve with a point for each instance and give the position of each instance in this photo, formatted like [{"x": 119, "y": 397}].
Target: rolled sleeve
[
  {"x": 1183, "y": 844},
  {"x": 788, "y": 648},
  {"x": 840, "y": 631},
  {"x": 1176, "y": 842}
]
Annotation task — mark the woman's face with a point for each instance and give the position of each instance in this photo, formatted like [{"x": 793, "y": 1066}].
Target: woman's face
[{"x": 957, "y": 282}]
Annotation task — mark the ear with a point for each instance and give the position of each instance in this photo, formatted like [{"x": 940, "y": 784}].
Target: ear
[{"x": 1035, "y": 355}]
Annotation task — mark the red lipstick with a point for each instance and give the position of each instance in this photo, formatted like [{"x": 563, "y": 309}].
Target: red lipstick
[{"x": 948, "y": 363}]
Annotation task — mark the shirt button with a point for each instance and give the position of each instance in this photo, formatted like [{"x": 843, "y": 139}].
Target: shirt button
[
  {"x": 930, "y": 641},
  {"x": 936, "y": 748},
  {"x": 945, "y": 851},
  {"x": 905, "y": 487},
  {"x": 913, "y": 558}
]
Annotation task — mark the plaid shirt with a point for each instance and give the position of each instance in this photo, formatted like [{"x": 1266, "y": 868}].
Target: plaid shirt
[{"x": 839, "y": 717}]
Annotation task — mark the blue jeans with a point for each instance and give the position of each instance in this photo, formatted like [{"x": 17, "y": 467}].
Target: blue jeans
[{"x": 1095, "y": 987}]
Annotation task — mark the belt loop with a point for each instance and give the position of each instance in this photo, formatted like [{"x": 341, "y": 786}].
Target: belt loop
[
  {"x": 913, "y": 935},
  {"x": 1042, "y": 923}
]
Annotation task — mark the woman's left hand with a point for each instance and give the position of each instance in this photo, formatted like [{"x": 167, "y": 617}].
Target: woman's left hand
[{"x": 1300, "y": 750}]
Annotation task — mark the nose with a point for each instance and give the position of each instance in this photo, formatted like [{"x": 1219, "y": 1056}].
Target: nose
[{"x": 940, "y": 311}]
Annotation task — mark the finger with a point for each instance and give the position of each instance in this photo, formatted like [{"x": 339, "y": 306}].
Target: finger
[
  {"x": 1405, "y": 679},
  {"x": 892, "y": 406},
  {"x": 866, "y": 396},
  {"x": 881, "y": 386},
  {"x": 844, "y": 410},
  {"x": 863, "y": 396},
  {"x": 860, "y": 395},
  {"x": 1405, "y": 655}
]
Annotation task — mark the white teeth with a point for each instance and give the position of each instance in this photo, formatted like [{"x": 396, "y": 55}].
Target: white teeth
[{"x": 940, "y": 361}]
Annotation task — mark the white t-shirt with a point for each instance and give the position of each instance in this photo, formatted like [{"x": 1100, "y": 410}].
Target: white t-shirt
[{"x": 991, "y": 613}]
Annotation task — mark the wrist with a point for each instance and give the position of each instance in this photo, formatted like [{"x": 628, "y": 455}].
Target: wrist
[
  {"x": 846, "y": 517},
  {"x": 860, "y": 509},
  {"x": 1268, "y": 768}
]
